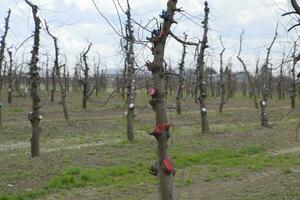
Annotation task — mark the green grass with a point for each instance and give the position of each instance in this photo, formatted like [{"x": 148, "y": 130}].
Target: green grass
[
  {"x": 117, "y": 176},
  {"x": 18, "y": 109},
  {"x": 221, "y": 163},
  {"x": 234, "y": 128},
  {"x": 197, "y": 157}
]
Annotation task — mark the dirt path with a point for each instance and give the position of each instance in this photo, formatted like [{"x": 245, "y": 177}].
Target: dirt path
[
  {"x": 24, "y": 145},
  {"x": 294, "y": 150}
]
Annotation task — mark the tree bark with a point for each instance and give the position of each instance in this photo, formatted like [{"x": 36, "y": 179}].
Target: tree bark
[
  {"x": 200, "y": 71},
  {"x": 180, "y": 79},
  {"x": 34, "y": 116},
  {"x": 222, "y": 84},
  {"x": 130, "y": 81},
  {"x": 10, "y": 78},
  {"x": 58, "y": 76},
  {"x": 53, "y": 89},
  {"x": 250, "y": 81},
  {"x": 87, "y": 92},
  {"x": 293, "y": 92},
  {"x": 162, "y": 134},
  {"x": 266, "y": 76},
  {"x": 47, "y": 74},
  {"x": 2, "y": 50}
]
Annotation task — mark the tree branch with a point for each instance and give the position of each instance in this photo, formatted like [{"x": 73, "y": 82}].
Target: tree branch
[{"x": 182, "y": 41}]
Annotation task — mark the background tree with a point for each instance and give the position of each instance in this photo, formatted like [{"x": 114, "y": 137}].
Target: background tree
[
  {"x": 266, "y": 75},
  {"x": 181, "y": 79},
  {"x": 58, "y": 74},
  {"x": 2, "y": 50},
  {"x": 87, "y": 89},
  {"x": 53, "y": 87},
  {"x": 249, "y": 78},
  {"x": 10, "y": 77},
  {"x": 293, "y": 88},
  {"x": 222, "y": 84}
]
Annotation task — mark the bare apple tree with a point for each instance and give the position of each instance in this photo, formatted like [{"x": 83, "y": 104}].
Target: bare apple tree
[
  {"x": 34, "y": 116},
  {"x": 2, "y": 50},
  {"x": 201, "y": 83},
  {"x": 181, "y": 80},
  {"x": 58, "y": 74}
]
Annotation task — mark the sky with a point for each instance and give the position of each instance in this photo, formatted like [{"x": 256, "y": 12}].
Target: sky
[{"x": 75, "y": 22}]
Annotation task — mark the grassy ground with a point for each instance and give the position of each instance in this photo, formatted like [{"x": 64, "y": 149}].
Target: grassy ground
[{"x": 89, "y": 157}]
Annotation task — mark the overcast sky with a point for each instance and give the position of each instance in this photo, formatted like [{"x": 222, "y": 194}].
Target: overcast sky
[{"x": 76, "y": 21}]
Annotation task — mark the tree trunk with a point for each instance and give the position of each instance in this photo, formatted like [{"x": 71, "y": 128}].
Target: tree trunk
[
  {"x": 266, "y": 76},
  {"x": 10, "y": 78},
  {"x": 222, "y": 84},
  {"x": 293, "y": 91},
  {"x": 86, "y": 93},
  {"x": 163, "y": 169},
  {"x": 130, "y": 81},
  {"x": 2, "y": 50},
  {"x": 181, "y": 80},
  {"x": 60, "y": 81},
  {"x": 47, "y": 75},
  {"x": 251, "y": 82},
  {"x": 200, "y": 69},
  {"x": 34, "y": 116},
  {"x": 53, "y": 89}
]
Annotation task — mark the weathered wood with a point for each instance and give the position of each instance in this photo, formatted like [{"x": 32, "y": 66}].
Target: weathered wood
[
  {"x": 58, "y": 76},
  {"x": 180, "y": 79},
  {"x": 2, "y": 50},
  {"x": 201, "y": 83},
  {"x": 34, "y": 116}
]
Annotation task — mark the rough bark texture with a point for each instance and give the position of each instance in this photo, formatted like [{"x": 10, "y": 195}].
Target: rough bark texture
[
  {"x": 165, "y": 185},
  {"x": 211, "y": 82},
  {"x": 201, "y": 71},
  {"x": 293, "y": 92},
  {"x": 34, "y": 116},
  {"x": 181, "y": 80},
  {"x": 2, "y": 50},
  {"x": 97, "y": 76},
  {"x": 58, "y": 76},
  {"x": 10, "y": 78},
  {"x": 250, "y": 81},
  {"x": 280, "y": 88},
  {"x": 47, "y": 75},
  {"x": 266, "y": 76},
  {"x": 222, "y": 84},
  {"x": 295, "y": 6},
  {"x": 86, "y": 92},
  {"x": 255, "y": 85},
  {"x": 130, "y": 80},
  {"x": 53, "y": 89}
]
